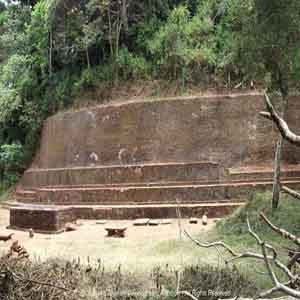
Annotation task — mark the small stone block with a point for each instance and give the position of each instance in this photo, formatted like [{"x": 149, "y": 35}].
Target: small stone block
[
  {"x": 193, "y": 221},
  {"x": 154, "y": 222},
  {"x": 141, "y": 222},
  {"x": 101, "y": 222},
  {"x": 204, "y": 220},
  {"x": 166, "y": 222},
  {"x": 70, "y": 227}
]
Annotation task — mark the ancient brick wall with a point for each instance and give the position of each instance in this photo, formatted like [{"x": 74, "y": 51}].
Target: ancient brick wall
[{"x": 224, "y": 129}]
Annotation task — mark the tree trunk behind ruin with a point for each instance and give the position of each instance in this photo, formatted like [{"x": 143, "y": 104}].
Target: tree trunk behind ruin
[{"x": 280, "y": 145}]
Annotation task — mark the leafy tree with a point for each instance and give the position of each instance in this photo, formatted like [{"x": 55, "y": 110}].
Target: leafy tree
[{"x": 184, "y": 40}]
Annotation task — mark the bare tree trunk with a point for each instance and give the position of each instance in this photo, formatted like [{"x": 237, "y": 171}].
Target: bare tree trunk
[
  {"x": 88, "y": 58},
  {"x": 119, "y": 25},
  {"x": 50, "y": 52},
  {"x": 280, "y": 144},
  {"x": 125, "y": 15},
  {"x": 277, "y": 171}
]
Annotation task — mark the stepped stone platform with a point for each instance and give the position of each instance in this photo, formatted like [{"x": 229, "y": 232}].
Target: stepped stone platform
[
  {"x": 122, "y": 174},
  {"x": 146, "y": 159}
]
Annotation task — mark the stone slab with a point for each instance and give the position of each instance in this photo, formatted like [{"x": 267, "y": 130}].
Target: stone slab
[{"x": 141, "y": 222}]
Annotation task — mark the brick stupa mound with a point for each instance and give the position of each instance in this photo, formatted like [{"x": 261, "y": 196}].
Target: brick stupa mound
[{"x": 143, "y": 159}]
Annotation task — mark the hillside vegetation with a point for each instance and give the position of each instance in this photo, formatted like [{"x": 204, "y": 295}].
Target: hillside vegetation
[{"x": 55, "y": 51}]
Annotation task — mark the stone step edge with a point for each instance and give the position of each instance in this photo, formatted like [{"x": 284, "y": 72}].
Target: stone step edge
[
  {"x": 32, "y": 190},
  {"x": 114, "y": 185},
  {"x": 125, "y": 166},
  {"x": 217, "y": 203},
  {"x": 211, "y": 203},
  {"x": 241, "y": 171},
  {"x": 230, "y": 184}
]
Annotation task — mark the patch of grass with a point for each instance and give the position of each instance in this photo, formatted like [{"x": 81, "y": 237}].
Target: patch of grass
[
  {"x": 206, "y": 279},
  {"x": 234, "y": 227},
  {"x": 234, "y": 232}
]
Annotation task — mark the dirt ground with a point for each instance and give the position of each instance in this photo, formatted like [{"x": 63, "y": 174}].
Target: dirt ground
[{"x": 143, "y": 246}]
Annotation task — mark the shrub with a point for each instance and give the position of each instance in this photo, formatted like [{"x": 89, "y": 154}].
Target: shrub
[
  {"x": 184, "y": 41},
  {"x": 132, "y": 66},
  {"x": 11, "y": 163}
]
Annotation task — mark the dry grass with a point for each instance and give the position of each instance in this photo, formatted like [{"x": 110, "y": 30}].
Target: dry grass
[
  {"x": 70, "y": 280},
  {"x": 144, "y": 246}
]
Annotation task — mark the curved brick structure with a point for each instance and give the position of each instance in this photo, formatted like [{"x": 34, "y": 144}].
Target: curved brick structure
[
  {"x": 141, "y": 158},
  {"x": 223, "y": 129}
]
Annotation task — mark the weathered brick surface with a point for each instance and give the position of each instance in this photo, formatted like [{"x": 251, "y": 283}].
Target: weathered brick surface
[
  {"x": 155, "y": 211},
  {"x": 147, "y": 195},
  {"x": 224, "y": 129},
  {"x": 146, "y": 173},
  {"x": 41, "y": 218}
]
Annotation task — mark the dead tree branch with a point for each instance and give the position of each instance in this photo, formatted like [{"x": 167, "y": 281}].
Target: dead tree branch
[
  {"x": 279, "y": 122},
  {"x": 295, "y": 259},
  {"x": 278, "y": 286},
  {"x": 211, "y": 245},
  {"x": 291, "y": 192},
  {"x": 285, "y": 234},
  {"x": 36, "y": 281}
]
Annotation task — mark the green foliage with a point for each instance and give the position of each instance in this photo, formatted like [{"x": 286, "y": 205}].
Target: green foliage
[
  {"x": 11, "y": 162},
  {"x": 132, "y": 66},
  {"x": 86, "y": 81},
  {"x": 13, "y": 38},
  {"x": 11, "y": 156},
  {"x": 14, "y": 81},
  {"x": 184, "y": 41}
]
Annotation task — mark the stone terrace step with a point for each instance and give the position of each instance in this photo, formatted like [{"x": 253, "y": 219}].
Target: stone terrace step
[
  {"x": 155, "y": 211},
  {"x": 149, "y": 184},
  {"x": 137, "y": 173},
  {"x": 263, "y": 172},
  {"x": 139, "y": 195}
]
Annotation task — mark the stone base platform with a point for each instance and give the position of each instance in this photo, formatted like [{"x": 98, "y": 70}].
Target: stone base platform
[
  {"x": 138, "y": 191},
  {"x": 52, "y": 219},
  {"x": 41, "y": 218}
]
